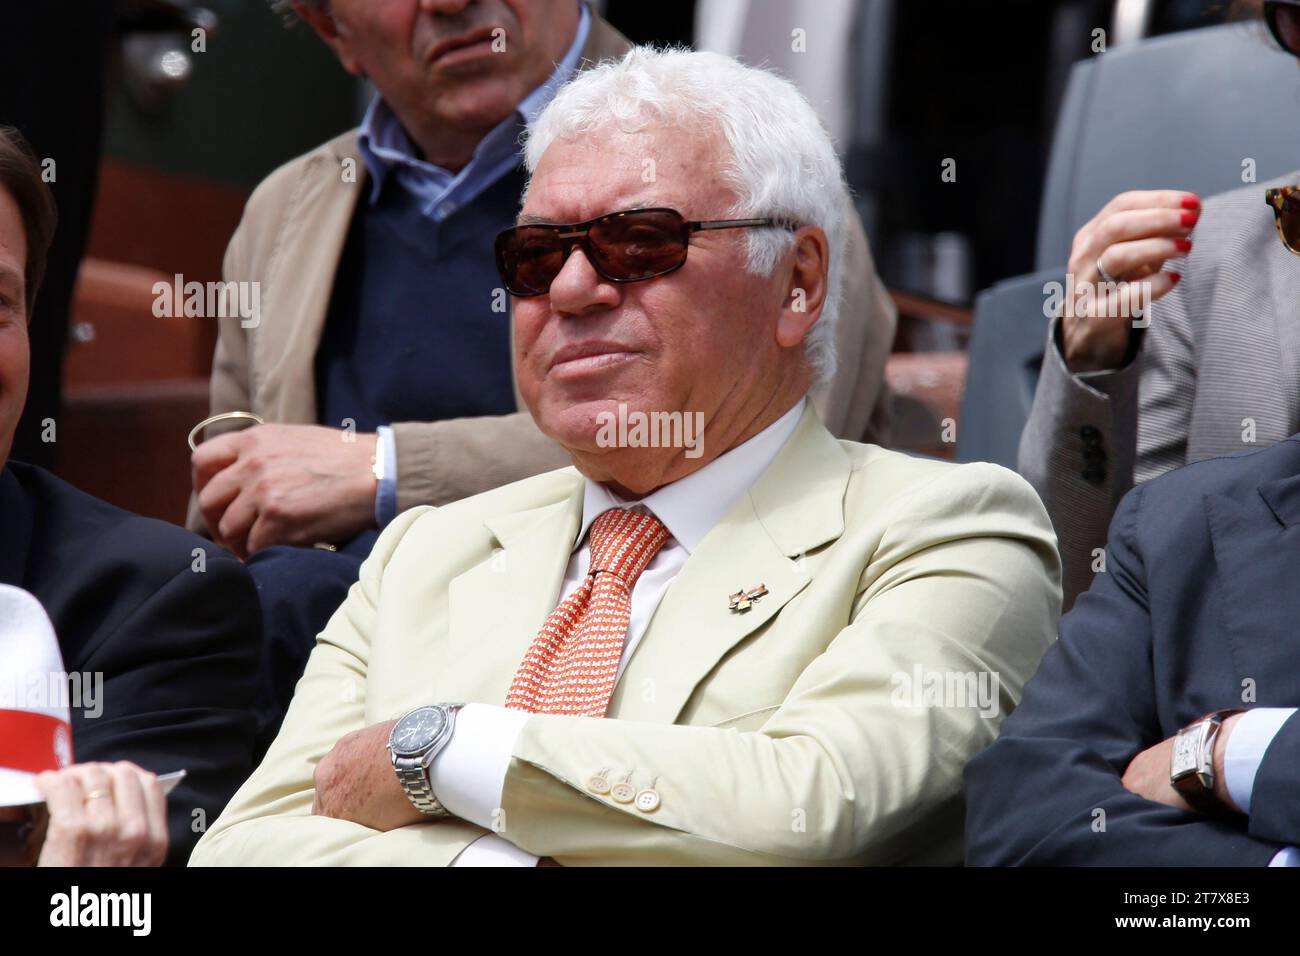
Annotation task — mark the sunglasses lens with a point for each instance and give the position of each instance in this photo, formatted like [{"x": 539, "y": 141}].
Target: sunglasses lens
[
  {"x": 1289, "y": 221},
  {"x": 624, "y": 247},
  {"x": 1284, "y": 22},
  {"x": 530, "y": 257},
  {"x": 639, "y": 245}
]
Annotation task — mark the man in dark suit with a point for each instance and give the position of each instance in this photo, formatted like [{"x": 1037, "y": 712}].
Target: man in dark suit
[
  {"x": 169, "y": 620},
  {"x": 1161, "y": 728}
]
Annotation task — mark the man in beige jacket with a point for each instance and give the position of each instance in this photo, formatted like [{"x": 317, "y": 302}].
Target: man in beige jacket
[
  {"x": 724, "y": 636},
  {"x": 380, "y": 355}
]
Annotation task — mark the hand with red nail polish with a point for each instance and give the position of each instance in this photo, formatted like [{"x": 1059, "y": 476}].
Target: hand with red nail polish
[{"x": 1129, "y": 241}]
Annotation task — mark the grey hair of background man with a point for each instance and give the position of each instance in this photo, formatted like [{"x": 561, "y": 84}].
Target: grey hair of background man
[{"x": 782, "y": 162}]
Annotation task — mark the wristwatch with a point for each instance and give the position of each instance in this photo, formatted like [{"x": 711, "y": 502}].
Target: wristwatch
[
  {"x": 413, "y": 743},
  {"x": 1191, "y": 769}
]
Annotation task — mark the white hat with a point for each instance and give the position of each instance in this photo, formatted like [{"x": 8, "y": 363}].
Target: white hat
[{"x": 35, "y": 729}]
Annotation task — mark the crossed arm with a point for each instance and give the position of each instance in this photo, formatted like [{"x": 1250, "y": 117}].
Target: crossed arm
[
  {"x": 839, "y": 772},
  {"x": 1080, "y": 773}
]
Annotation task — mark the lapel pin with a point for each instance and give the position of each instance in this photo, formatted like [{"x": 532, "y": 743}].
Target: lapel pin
[{"x": 743, "y": 600}]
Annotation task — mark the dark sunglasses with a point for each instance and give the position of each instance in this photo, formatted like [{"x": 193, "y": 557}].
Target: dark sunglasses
[
  {"x": 629, "y": 246},
  {"x": 1286, "y": 214},
  {"x": 1283, "y": 19}
]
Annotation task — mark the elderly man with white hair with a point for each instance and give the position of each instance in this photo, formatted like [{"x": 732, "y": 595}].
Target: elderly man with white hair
[{"x": 732, "y": 640}]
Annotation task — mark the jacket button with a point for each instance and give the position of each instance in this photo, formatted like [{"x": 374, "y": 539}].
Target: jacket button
[
  {"x": 647, "y": 801},
  {"x": 1090, "y": 434},
  {"x": 1095, "y": 473},
  {"x": 623, "y": 792},
  {"x": 598, "y": 784}
]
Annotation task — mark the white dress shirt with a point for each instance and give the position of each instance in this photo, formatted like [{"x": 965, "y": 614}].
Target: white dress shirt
[
  {"x": 468, "y": 776},
  {"x": 1245, "y": 752}
]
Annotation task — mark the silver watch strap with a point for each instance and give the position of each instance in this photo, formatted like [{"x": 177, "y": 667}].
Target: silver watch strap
[
  {"x": 415, "y": 782},
  {"x": 413, "y": 772}
]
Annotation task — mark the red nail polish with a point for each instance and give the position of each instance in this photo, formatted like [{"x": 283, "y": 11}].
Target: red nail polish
[
  {"x": 1175, "y": 277},
  {"x": 1189, "y": 218},
  {"x": 1191, "y": 202},
  {"x": 1184, "y": 245}
]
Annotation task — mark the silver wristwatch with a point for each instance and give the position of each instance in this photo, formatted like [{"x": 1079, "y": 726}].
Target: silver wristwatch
[
  {"x": 413, "y": 743},
  {"x": 1191, "y": 770}
]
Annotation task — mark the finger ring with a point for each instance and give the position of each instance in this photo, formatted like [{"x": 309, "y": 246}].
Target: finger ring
[
  {"x": 223, "y": 417},
  {"x": 1105, "y": 276},
  {"x": 98, "y": 794}
]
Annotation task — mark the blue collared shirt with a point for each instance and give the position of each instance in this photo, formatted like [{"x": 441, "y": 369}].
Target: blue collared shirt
[{"x": 391, "y": 156}]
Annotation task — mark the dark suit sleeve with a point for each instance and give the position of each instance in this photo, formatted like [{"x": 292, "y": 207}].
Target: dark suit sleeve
[
  {"x": 178, "y": 692},
  {"x": 1275, "y": 799},
  {"x": 1049, "y": 790}
]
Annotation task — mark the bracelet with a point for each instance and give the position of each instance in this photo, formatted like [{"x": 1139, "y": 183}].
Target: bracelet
[{"x": 223, "y": 417}]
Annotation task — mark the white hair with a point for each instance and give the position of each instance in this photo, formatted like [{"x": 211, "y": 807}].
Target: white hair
[{"x": 782, "y": 161}]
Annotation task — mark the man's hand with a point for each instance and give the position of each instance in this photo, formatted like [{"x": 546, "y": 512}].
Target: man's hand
[
  {"x": 1132, "y": 237},
  {"x": 284, "y": 484},
  {"x": 1148, "y": 773},
  {"x": 356, "y": 781},
  {"x": 103, "y": 814},
  {"x": 1148, "y": 776}
]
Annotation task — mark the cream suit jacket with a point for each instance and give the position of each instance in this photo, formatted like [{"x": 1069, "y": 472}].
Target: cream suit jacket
[
  {"x": 776, "y": 735},
  {"x": 289, "y": 242}
]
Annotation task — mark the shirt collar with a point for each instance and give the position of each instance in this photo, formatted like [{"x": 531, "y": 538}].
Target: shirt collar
[
  {"x": 690, "y": 507},
  {"x": 531, "y": 106},
  {"x": 385, "y": 145}
]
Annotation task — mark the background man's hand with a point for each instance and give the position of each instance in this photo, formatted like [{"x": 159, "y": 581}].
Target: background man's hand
[
  {"x": 356, "y": 781},
  {"x": 103, "y": 814},
  {"x": 285, "y": 484},
  {"x": 1133, "y": 236},
  {"x": 1148, "y": 773}
]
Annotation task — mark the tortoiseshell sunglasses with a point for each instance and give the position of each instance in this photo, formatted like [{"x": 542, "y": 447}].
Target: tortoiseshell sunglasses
[
  {"x": 1283, "y": 19},
  {"x": 1286, "y": 213},
  {"x": 628, "y": 246}
]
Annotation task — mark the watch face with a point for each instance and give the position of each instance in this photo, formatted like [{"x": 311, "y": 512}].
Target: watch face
[
  {"x": 418, "y": 729},
  {"x": 1186, "y": 753}
]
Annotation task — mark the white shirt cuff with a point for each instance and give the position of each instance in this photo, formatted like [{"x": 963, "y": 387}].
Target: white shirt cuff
[
  {"x": 491, "y": 850},
  {"x": 386, "y": 488},
  {"x": 469, "y": 774},
  {"x": 1287, "y": 856},
  {"x": 1250, "y": 738}
]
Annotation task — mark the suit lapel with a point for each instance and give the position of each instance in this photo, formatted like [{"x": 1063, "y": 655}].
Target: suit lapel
[
  {"x": 1257, "y": 553},
  {"x": 17, "y": 517},
  {"x": 796, "y": 505},
  {"x": 301, "y": 274},
  {"x": 498, "y": 606}
]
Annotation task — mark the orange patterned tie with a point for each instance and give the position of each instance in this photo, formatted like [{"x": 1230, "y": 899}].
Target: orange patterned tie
[{"x": 572, "y": 664}]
